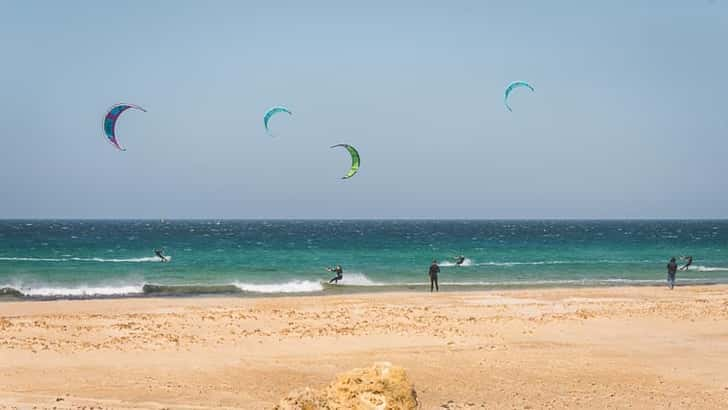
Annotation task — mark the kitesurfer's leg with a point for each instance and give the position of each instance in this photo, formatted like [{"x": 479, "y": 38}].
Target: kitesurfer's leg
[{"x": 433, "y": 283}]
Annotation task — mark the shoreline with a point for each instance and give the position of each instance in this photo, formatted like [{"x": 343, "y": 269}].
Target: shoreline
[
  {"x": 422, "y": 291},
  {"x": 644, "y": 346},
  {"x": 10, "y": 294}
]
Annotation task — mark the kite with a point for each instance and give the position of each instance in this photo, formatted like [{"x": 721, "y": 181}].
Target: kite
[
  {"x": 512, "y": 86},
  {"x": 110, "y": 122},
  {"x": 355, "y": 161},
  {"x": 271, "y": 112}
]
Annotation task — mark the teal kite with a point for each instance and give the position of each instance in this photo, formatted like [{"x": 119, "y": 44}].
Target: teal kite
[
  {"x": 109, "y": 124},
  {"x": 270, "y": 113},
  {"x": 355, "y": 160},
  {"x": 512, "y": 86}
]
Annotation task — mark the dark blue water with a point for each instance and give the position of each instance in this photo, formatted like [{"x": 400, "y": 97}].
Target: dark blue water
[{"x": 103, "y": 258}]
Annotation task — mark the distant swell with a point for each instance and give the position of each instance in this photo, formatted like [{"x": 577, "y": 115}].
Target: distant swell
[{"x": 121, "y": 260}]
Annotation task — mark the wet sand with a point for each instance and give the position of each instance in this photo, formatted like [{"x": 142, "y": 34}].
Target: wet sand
[{"x": 639, "y": 347}]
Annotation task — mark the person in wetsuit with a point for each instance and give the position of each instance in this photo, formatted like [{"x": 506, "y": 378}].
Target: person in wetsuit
[
  {"x": 688, "y": 261},
  {"x": 671, "y": 270},
  {"x": 339, "y": 274},
  {"x": 434, "y": 270},
  {"x": 459, "y": 260},
  {"x": 158, "y": 252}
]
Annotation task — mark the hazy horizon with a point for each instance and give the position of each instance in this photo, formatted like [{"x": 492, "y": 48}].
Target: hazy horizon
[
  {"x": 354, "y": 219},
  {"x": 627, "y": 120}
]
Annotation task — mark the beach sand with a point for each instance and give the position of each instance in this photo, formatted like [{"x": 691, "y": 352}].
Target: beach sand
[{"x": 639, "y": 347}]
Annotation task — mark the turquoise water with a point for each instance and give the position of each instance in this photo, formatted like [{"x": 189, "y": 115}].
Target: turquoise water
[{"x": 115, "y": 258}]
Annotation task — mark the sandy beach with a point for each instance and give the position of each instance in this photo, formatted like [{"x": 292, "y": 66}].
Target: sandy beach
[{"x": 639, "y": 347}]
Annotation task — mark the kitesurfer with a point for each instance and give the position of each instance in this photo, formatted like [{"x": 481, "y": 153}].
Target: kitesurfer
[
  {"x": 459, "y": 260},
  {"x": 159, "y": 254},
  {"x": 339, "y": 274},
  {"x": 671, "y": 270},
  {"x": 434, "y": 270},
  {"x": 688, "y": 261}
]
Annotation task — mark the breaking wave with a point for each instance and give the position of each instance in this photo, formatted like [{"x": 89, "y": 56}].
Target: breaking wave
[
  {"x": 358, "y": 279},
  {"x": 294, "y": 286},
  {"x": 81, "y": 291},
  {"x": 351, "y": 281}
]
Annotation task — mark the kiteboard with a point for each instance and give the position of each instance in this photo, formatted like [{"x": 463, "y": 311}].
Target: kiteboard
[{"x": 326, "y": 285}]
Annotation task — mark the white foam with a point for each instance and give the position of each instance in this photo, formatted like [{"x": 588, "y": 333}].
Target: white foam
[
  {"x": 127, "y": 260},
  {"x": 295, "y": 286},
  {"x": 34, "y": 259},
  {"x": 357, "y": 279},
  {"x": 121, "y": 260},
  {"x": 82, "y": 290},
  {"x": 447, "y": 264},
  {"x": 708, "y": 269}
]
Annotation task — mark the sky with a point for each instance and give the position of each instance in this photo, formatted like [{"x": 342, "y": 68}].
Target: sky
[{"x": 628, "y": 118}]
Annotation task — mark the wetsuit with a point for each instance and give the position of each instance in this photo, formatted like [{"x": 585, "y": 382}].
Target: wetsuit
[
  {"x": 688, "y": 262},
  {"x": 159, "y": 254},
  {"x": 339, "y": 274},
  {"x": 671, "y": 270},
  {"x": 459, "y": 261},
  {"x": 434, "y": 270}
]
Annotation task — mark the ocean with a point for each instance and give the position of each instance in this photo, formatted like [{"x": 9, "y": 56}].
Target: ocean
[{"x": 86, "y": 258}]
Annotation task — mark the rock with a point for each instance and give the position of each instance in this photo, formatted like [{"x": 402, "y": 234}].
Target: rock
[
  {"x": 379, "y": 387},
  {"x": 303, "y": 399}
]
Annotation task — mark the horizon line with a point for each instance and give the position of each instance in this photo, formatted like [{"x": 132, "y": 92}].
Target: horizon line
[{"x": 369, "y": 219}]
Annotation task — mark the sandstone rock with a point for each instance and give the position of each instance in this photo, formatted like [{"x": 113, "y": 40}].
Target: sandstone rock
[{"x": 379, "y": 387}]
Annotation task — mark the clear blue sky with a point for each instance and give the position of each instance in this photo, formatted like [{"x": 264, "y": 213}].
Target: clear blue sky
[{"x": 629, "y": 117}]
